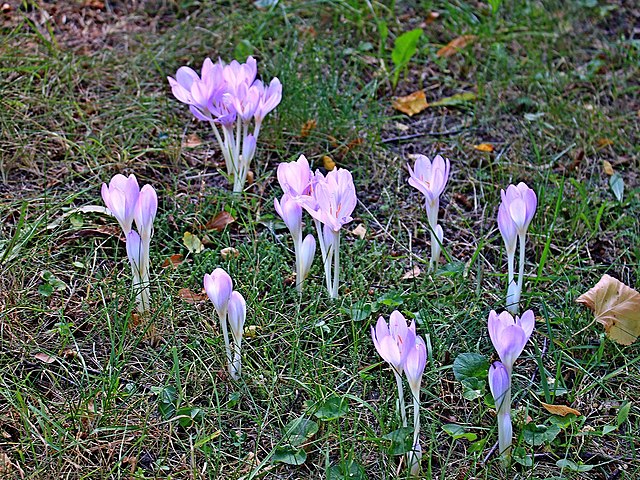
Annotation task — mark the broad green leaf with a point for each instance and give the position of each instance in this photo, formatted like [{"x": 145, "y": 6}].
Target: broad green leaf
[
  {"x": 477, "y": 446},
  {"x": 573, "y": 466},
  {"x": 289, "y": 455},
  {"x": 617, "y": 186},
  {"x": 470, "y": 365},
  {"x": 607, "y": 429},
  {"x": 401, "y": 441},
  {"x": 520, "y": 455},
  {"x": 473, "y": 388},
  {"x": 332, "y": 408},
  {"x": 391, "y": 299},
  {"x": 458, "y": 432},
  {"x": 623, "y": 413},
  {"x": 189, "y": 416},
  {"x": 299, "y": 431},
  {"x": 359, "y": 311},
  {"x": 346, "y": 470},
  {"x": 405, "y": 47},
  {"x": 167, "y": 397},
  {"x": 539, "y": 434},
  {"x": 455, "y": 100}
]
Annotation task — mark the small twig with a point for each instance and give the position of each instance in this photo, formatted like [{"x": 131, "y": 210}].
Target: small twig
[{"x": 493, "y": 449}]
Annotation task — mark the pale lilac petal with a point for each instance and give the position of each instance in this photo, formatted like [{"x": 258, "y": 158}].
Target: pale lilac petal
[
  {"x": 219, "y": 286},
  {"x": 145, "y": 211},
  {"x": 518, "y": 212},
  {"x": 415, "y": 363},
  {"x": 397, "y": 324},
  {"x": 499, "y": 383},
  {"x": 527, "y": 323},
  {"x": 236, "y": 314},
  {"x": 307, "y": 252},
  {"x": 510, "y": 345},
  {"x": 390, "y": 352},
  {"x": 507, "y": 228},
  {"x": 135, "y": 251}
]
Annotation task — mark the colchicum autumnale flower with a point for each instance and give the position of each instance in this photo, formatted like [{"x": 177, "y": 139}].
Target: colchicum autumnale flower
[
  {"x": 431, "y": 179},
  {"x": 515, "y": 213},
  {"x": 230, "y": 98},
  {"x": 331, "y": 201},
  {"x": 406, "y": 352},
  {"x": 127, "y": 203},
  {"x": 230, "y": 307},
  {"x": 509, "y": 337}
]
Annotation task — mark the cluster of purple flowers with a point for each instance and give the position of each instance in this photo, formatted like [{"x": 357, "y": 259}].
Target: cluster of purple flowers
[{"x": 229, "y": 96}]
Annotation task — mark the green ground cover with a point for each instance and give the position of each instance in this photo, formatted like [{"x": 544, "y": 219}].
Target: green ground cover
[{"x": 90, "y": 390}]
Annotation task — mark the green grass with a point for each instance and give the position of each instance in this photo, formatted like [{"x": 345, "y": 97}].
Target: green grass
[{"x": 556, "y": 96}]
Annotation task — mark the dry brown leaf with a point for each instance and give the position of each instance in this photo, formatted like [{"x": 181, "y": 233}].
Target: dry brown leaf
[
  {"x": 190, "y": 296},
  {"x": 455, "y": 45},
  {"x": 604, "y": 142},
  {"x": 328, "y": 163},
  {"x": 484, "y": 147},
  {"x": 413, "y": 273},
  {"x": 43, "y": 357},
  {"x": 191, "y": 141},
  {"x": 308, "y": 126},
  {"x": 220, "y": 221},
  {"x": 617, "y": 307},
  {"x": 229, "y": 252},
  {"x": 561, "y": 410},
  {"x": 173, "y": 261},
  {"x": 411, "y": 104},
  {"x": 607, "y": 167},
  {"x": 360, "y": 231}
]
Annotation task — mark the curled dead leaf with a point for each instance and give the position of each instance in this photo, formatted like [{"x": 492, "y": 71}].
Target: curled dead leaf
[
  {"x": 173, "y": 261},
  {"x": 43, "y": 357},
  {"x": 607, "y": 167},
  {"x": 360, "y": 231},
  {"x": 455, "y": 45},
  {"x": 220, "y": 221},
  {"x": 617, "y": 307},
  {"x": 411, "y": 104},
  {"x": 307, "y": 127},
  {"x": 561, "y": 410},
  {"x": 190, "y": 296},
  {"x": 328, "y": 163},
  {"x": 229, "y": 252},
  {"x": 484, "y": 147},
  {"x": 413, "y": 273}
]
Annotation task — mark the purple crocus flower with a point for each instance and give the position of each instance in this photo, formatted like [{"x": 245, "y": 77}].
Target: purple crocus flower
[
  {"x": 295, "y": 177},
  {"x": 219, "y": 286},
  {"x": 395, "y": 340},
  {"x": 237, "y": 313},
  {"x": 500, "y": 386},
  {"x": 520, "y": 203},
  {"x": 121, "y": 198},
  {"x": 509, "y": 336}
]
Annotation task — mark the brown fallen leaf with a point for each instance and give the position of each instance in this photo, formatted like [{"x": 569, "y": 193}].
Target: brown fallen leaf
[
  {"x": 455, "y": 45},
  {"x": 229, "y": 252},
  {"x": 411, "y": 104},
  {"x": 191, "y": 141},
  {"x": 561, "y": 410},
  {"x": 307, "y": 127},
  {"x": 413, "y": 273},
  {"x": 607, "y": 167},
  {"x": 484, "y": 147},
  {"x": 617, "y": 307},
  {"x": 173, "y": 261},
  {"x": 43, "y": 357},
  {"x": 190, "y": 296},
  {"x": 220, "y": 221},
  {"x": 360, "y": 231},
  {"x": 328, "y": 163}
]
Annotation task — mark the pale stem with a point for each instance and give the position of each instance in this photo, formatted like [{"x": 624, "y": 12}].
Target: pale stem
[
  {"x": 434, "y": 248},
  {"x": 412, "y": 457},
  {"x": 223, "y": 147},
  {"x": 336, "y": 264},
  {"x": 227, "y": 346},
  {"x": 401, "y": 405},
  {"x": 137, "y": 287},
  {"x": 256, "y": 130},
  {"x": 511, "y": 260},
  {"x": 297, "y": 243},
  {"x": 432, "y": 218},
  {"x": 235, "y": 369},
  {"x": 326, "y": 255},
  {"x": 523, "y": 239},
  {"x": 505, "y": 430}
]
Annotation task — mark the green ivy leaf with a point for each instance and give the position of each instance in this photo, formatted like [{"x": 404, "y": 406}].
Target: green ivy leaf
[
  {"x": 299, "y": 431},
  {"x": 359, "y": 311},
  {"x": 346, "y": 470},
  {"x": 539, "y": 434},
  {"x": 289, "y": 455},
  {"x": 470, "y": 365},
  {"x": 401, "y": 441},
  {"x": 458, "y": 432},
  {"x": 332, "y": 408}
]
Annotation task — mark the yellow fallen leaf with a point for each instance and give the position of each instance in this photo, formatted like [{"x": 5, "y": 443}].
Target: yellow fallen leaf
[
  {"x": 192, "y": 242},
  {"x": 413, "y": 273},
  {"x": 617, "y": 307},
  {"x": 561, "y": 410},
  {"x": 604, "y": 142},
  {"x": 411, "y": 104},
  {"x": 307, "y": 127},
  {"x": 251, "y": 331},
  {"x": 455, "y": 45},
  {"x": 484, "y": 147},
  {"x": 607, "y": 167},
  {"x": 360, "y": 231},
  {"x": 328, "y": 163},
  {"x": 453, "y": 100}
]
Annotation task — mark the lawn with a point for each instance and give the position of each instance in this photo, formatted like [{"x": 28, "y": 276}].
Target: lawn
[{"x": 541, "y": 92}]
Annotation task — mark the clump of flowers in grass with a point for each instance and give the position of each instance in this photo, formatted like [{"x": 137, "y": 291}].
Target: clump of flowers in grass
[
  {"x": 509, "y": 338},
  {"x": 331, "y": 201},
  {"x": 295, "y": 181},
  {"x": 128, "y": 204},
  {"x": 230, "y": 306},
  {"x": 231, "y": 99},
  {"x": 431, "y": 179},
  {"x": 515, "y": 213},
  {"x": 406, "y": 352}
]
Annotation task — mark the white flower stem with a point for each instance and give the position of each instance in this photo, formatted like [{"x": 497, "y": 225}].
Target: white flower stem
[
  {"x": 401, "y": 405},
  {"x": 227, "y": 345},
  {"x": 336, "y": 264},
  {"x": 505, "y": 430},
  {"x": 235, "y": 369},
  {"x": 327, "y": 253},
  {"x": 413, "y": 458},
  {"x": 523, "y": 239},
  {"x": 297, "y": 248}
]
